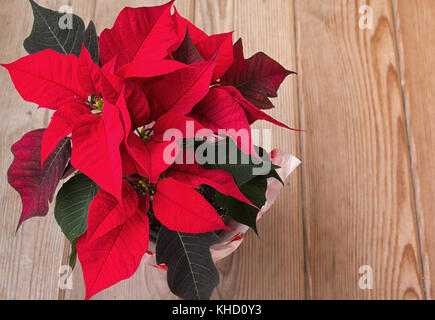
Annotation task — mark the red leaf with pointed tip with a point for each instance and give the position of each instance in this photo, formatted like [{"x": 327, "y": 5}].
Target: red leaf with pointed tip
[
  {"x": 181, "y": 25},
  {"x": 218, "y": 110},
  {"x": 146, "y": 32},
  {"x": 110, "y": 66},
  {"x": 156, "y": 155},
  {"x": 95, "y": 80},
  {"x": 179, "y": 91},
  {"x": 200, "y": 47},
  {"x": 136, "y": 99},
  {"x": 195, "y": 175},
  {"x": 136, "y": 103},
  {"x": 61, "y": 125},
  {"x": 106, "y": 213},
  {"x": 253, "y": 113},
  {"x": 152, "y": 158},
  {"x": 36, "y": 186},
  {"x": 146, "y": 68},
  {"x": 128, "y": 163},
  {"x": 88, "y": 73},
  {"x": 257, "y": 78},
  {"x": 48, "y": 79},
  {"x": 114, "y": 256},
  {"x": 144, "y": 203},
  {"x": 220, "y": 45},
  {"x": 186, "y": 127},
  {"x": 111, "y": 85},
  {"x": 181, "y": 208},
  {"x": 96, "y": 149},
  {"x": 187, "y": 52}
]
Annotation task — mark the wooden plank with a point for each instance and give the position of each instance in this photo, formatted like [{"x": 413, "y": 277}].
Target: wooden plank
[
  {"x": 359, "y": 205},
  {"x": 272, "y": 266},
  {"x": 368, "y": 143},
  {"x": 29, "y": 259},
  {"x": 416, "y": 42},
  {"x": 147, "y": 282}
]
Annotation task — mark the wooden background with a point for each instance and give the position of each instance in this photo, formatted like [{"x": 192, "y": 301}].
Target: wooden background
[{"x": 364, "y": 194}]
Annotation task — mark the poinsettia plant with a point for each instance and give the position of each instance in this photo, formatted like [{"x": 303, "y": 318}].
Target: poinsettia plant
[{"x": 151, "y": 137}]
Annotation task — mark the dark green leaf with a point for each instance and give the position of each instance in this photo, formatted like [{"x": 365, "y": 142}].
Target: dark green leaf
[
  {"x": 90, "y": 39},
  {"x": 72, "y": 205},
  {"x": 240, "y": 165},
  {"x": 255, "y": 191},
  {"x": 73, "y": 254},
  {"x": 192, "y": 274},
  {"x": 239, "y": 211},
  {"x": 187, "y": 53},
  {"x": 52, "y": 30},
  {"x": 274, "y": 174}
]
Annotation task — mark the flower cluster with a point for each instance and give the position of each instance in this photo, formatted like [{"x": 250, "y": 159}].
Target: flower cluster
[{"x": 115, "y": 97}]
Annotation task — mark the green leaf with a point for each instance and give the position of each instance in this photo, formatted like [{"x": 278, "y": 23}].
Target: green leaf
[
  {"x": 51, "y": 30},
  {"x": 73, "y": 254},
  {"x": 192, "y": 274},
  {"x": 274, "y": 174},
  {"x": 266, "y": 157},
  {"x": 90, "y": 40},
  {"x": 239, "y": 211},
  {"x": 72, "y": 205},
  {"x": 255, "y": 191},
  {"x": 240, "y": 165}
]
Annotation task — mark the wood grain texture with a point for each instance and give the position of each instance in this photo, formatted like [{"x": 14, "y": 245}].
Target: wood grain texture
[
  {"x": 359, "y": 204},
  {"x": 30, "y": 258},
  {"x": 364, "y": 195},
  {"x": 416, "y": 46}
]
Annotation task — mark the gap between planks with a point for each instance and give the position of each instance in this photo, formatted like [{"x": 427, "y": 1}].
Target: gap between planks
[
  {"x": 300, "y": 148},
  {"x": 411, "y": 155}
]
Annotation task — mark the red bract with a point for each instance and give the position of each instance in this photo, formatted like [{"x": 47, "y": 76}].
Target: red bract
[
  {"x": 150, "y": 157},
  {"x": 160, "y": 80},
  {"x": 181, "y": 208},
  {"x": 106, "y": 213},
  {"x": 156, "y": 154},
  {"x": 220, "y": 45},
  {"x": 181, "y": 25},
  {"x": 48, "y": 79},
  {"x": 139, "y": 34},
  {"x": 96, "y": 153},
  {"x": 252, "y": 113},
  {"x": 257, "y": 78},
  {"x": 207, "y": 46},
  {"x": 218, "y": 110},
  {"x": 96, "y": 137},
  {"x": 194, "y": 176},
  {"x": 179, "y": 91},
  {"x": 36, "y": 185},
  {"x": 183, "y": 126},
  {"x": 114, "y": 256}
]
